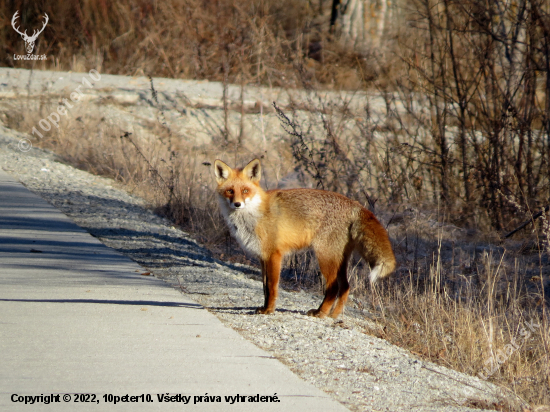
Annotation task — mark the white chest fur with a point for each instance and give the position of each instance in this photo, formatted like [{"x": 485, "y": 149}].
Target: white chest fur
[{"x": 242, "y": 223}]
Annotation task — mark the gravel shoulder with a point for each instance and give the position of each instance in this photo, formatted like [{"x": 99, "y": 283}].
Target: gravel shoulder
[{"x": 361, "y": 371}]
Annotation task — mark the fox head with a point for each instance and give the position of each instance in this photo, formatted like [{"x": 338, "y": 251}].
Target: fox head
[{"x": 239, "y": 188}]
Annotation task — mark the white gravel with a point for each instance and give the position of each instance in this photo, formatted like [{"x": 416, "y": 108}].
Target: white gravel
[{"x": 361, "y": 371}]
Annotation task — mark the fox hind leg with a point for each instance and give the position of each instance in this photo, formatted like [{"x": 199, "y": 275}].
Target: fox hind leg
[
  {"x": 329, "y": 269},
  {"x": 343, "y": 289}
]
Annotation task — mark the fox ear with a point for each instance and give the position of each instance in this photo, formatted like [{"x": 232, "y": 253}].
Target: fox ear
[
  {"x": 222, "y": 171},
  {"x": 253, "y": 170}
]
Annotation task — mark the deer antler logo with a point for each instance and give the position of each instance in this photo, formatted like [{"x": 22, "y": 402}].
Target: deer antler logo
[{"x": 29, "y": 41}]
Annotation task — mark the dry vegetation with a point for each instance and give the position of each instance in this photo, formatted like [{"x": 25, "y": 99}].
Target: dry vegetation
[
  {"x": 459, "y": 156},
  {"x": 252, "y": 41}
]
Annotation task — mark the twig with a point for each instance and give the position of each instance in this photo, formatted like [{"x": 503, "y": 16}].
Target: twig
[
  {"x": 295, "y": 130},
  {"x": 152, "y": 169},
  {"x": 532, "y": 220}
]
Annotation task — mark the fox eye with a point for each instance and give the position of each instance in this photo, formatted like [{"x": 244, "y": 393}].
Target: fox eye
[
  {"x": 229, "y": 191},
  {"x": 245, "y": 191}
]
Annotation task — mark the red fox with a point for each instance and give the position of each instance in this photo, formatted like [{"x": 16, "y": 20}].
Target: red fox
[{"x": 269, "y": 224}]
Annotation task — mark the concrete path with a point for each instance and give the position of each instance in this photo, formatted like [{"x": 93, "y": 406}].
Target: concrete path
[{"x": 79, "y": 318}]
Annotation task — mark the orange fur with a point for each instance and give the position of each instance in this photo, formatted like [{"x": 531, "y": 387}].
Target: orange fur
[{"x": 271, "y": 224}]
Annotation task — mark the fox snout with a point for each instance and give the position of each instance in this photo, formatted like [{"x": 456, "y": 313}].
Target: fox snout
[
  {"x": 235, "y": 201},
  {"x": 238, "y": 205}
]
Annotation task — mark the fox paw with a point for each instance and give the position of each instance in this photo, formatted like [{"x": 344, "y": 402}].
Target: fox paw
[
  {"x": 317, "y": 313},
  {"x": 264, "y": 311}
]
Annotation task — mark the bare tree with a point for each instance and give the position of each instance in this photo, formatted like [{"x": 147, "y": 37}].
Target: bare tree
[{"x": 481, "y": 65}]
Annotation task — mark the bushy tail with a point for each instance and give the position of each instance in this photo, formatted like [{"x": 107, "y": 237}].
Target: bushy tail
[{"x": 373, "y": 243}]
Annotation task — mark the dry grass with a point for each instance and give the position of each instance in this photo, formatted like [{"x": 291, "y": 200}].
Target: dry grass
[{"x": 476, "y": 323}]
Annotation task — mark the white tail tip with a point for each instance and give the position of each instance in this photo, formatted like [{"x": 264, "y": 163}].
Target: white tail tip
[
  {"x": 375, "y": 274},
  {"x": 381, "y": 270}
]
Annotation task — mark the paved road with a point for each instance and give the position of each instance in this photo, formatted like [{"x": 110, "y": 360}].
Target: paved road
[{"x": 78, "y": 317}]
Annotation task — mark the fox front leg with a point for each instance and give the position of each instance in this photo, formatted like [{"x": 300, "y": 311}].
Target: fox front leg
[
  {"x": 261, "y": 310},
  {"x": 271, "y": 271}
]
